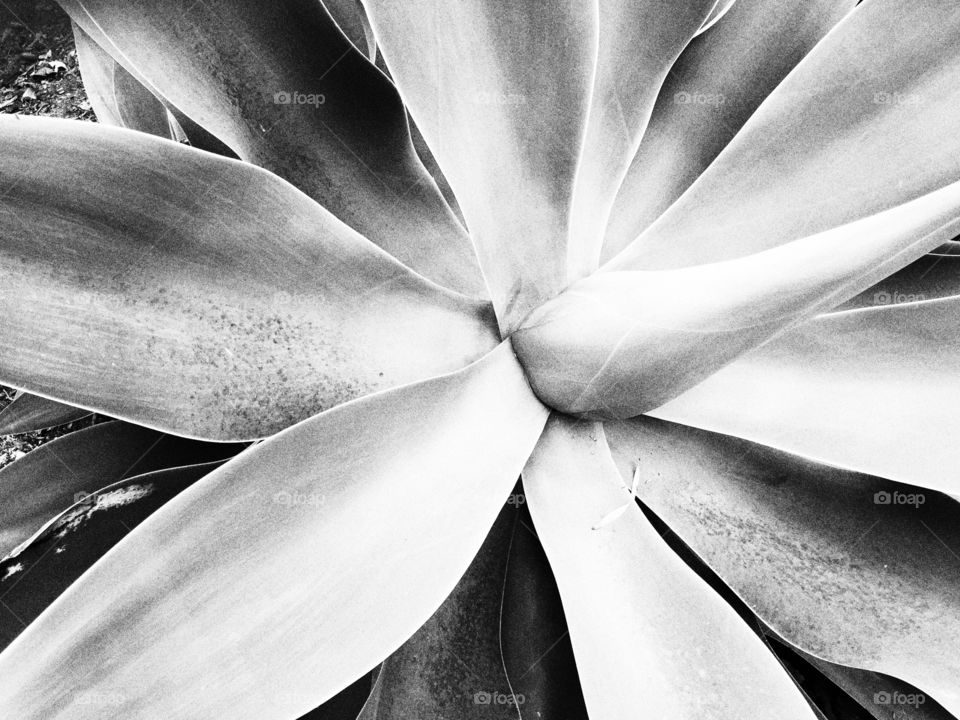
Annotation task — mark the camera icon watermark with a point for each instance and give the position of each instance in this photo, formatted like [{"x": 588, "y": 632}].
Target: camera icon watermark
[
  {"x": 898, "y": 698},
  {"x": 498, "y": 698},
  {"x": 299, "y": 499},
  {"x": 294, "y": 97},
  {"x": 898, "y": 498},
  {"x": 699, "y": 98},
  {"x": 896, "y": 98},
  {"x": 883, "y": 297}
]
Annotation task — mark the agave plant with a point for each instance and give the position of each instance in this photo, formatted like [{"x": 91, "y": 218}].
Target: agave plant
[{"x": 681, "y": 266}]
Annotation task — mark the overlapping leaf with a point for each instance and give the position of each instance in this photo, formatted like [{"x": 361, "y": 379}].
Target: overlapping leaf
[
  {"x": 500, "y": 91},
  {"x": 864, "y": 123},
  {"x": 851, "y": 568},
  {"x": 294, "y": 569},
  {"x": 650, "y": 637},
  {"x": 200, "y": 295},
  {"x": 717, "y": 83},
  {"x": 620, "y": 343},
  {"x": 282, "y": 86}
]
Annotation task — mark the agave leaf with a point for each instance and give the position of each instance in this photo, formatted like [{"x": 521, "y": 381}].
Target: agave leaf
[
  {"x": 294, "y": 569},
  {"x": 860, "y": 389},
  {"x": 116, "y": 96},
  {"x": 639, "y": 42},
  {"x": 352, "y": 20},
  {"x": 122, "y": 99},
  {"x": 620, "y": 343},
  {"x": 51, "y": 478},
  {"x": 500, "y": 92},
  {"x": 851, "y": 568},
  {"x": 534, "y": 636},
  {"x": 204, "y": 296},
  {"x": 29, "y": 413},
  {"x": 71, "y": 542},
  {"x": 865, "y": 122},
  {"x": 716, "y": 84},
  {"x": 283, "y": 87},
  {"x": 452, "y": 666},
  {"x": 935, "y": 275},
  {"x": 720, "y": 8},
  {"x": 646, "y": 631},
  {"x": 883, "y": 697}
]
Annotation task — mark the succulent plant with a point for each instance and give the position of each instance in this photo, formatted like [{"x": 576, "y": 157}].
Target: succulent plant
[{"x": 685, "y": 268}]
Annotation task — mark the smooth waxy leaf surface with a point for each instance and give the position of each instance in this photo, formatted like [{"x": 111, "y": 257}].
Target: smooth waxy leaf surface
[
  {"x": 452, "y": 666},
  {"x": 864, "y": 123},
  {"x": 716, "y": 84},
  {"x": 500, "y": 92},
  {"x": 282, "y": 86},
  {"x": 647, "y": 632},
  {"x": 51, "y": 478},
  {"x": 639, "y": 42},
  {"x": 294, "y": 569},
  {"x": 201, "y": 295},
  {"x": 851, "y": 568},
  {"x": 117, "y": 97},
  {"x": 620, "y": 343},
  {"x": 28, "y": 413},
  {"x": 71, "y": 542},
  {"x": 860, "y": 389}
]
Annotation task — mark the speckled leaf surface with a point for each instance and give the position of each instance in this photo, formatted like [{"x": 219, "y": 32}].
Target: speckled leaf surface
[
  {"x": 851, "y": 568},
  {"x": 200, "y": 295},
  {"x": 647, "y": 632},
  {"x": 250, "y": 583}
]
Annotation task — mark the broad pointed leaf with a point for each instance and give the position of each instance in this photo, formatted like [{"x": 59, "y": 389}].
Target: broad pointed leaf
[
  {"x": 864, "y": 123},
  {"x": 283, "y": 87},
  {"x": 29, "y": 413},
  {"x": 651, "y": 638},
  {"x": 117, "y": 97},
  {"x": 537, "y": 654},
  {"x": 54, "y": 476},
  {"x": 351, "y": 18},
  {"x": 196, "y": 294},
  {"x": 294, "y": 569},
  {"x": 717, "y": 83},
  {"x": 500, "y": 92},
  {"x": 872, "y": 390},
  {"x": 452, "y": 666},
  {"x": 620, "y": 343},
  {"x": 71, "y": 542},
  {"x": 639, "y": 42},
  {"x": 850, "y": 568}
]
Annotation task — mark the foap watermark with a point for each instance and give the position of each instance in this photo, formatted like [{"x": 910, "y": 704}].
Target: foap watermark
[
  {"x": 497, "y": 698},
  {"x": 287, "y": 498},
  {"x": 896, "y": 98},
  {"x": 294, "y": 97},
  {"x": 699, "y": 98},
  {"x": 898, "y": 498},
  {"x": 898, "y": 698},
  {"x": 883, "y": 297},
  {"x": 516, "y": 499}
]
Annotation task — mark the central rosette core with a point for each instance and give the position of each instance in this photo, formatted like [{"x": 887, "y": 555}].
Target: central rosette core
[{"x": 618, "y": 344}]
